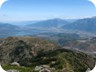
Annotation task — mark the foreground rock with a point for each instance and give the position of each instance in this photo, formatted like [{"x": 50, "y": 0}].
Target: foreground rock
[
  {"x": 43, "y": 68},
  {"x": 15, "y": 64},
  {"x": 12, "y": 71}
]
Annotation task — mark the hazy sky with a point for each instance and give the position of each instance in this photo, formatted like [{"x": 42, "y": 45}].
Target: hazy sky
[{"x": 20, "y": 10}]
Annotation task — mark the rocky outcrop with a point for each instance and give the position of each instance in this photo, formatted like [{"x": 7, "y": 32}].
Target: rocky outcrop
[{"x": 22, "y": 49}]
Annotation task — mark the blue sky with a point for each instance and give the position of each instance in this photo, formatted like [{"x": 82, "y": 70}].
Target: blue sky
[{"x": 23, "y": 10}]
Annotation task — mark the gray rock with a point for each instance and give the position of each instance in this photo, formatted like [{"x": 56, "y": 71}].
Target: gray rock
[
  {"x": 12, "y": 71},
  {"x": 38, "y": 68},
  {"x": 45, "y": 70},
  {"x": 15, "y": 64}
]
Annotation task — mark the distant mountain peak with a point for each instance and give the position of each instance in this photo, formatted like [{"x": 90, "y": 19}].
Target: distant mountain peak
[{"x": 51, "y": 23}]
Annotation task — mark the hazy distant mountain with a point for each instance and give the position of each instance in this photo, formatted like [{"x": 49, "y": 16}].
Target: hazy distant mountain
[
  {"x": 87, "y": 24},
  {"x": 7, "y": 29},
  {"x": 7, "y": 26},
  {"x": 71, "y": 20},
  {"x": 23, "y": 23},
  {"x": 52, "y": 23}
]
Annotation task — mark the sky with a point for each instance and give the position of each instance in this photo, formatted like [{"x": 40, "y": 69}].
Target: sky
[{"x": 25, "y": 10}]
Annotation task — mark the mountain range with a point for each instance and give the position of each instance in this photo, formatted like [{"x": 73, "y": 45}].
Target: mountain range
[
  {"x": 55, "y": 23},
  {"x": 84, "y": 26},
  {"x": 7, "y": 29},
  {"x": 87, "y": 25}
]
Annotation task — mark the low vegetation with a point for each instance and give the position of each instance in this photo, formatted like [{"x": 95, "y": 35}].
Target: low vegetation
[{"x": 30, "y": 52}]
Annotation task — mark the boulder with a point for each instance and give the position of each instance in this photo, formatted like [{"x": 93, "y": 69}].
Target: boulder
[
  {"x": 38, "y": 68},
  {"x": 44, "y": 70},
  {"x": 15, "y": 64},
  {"x": 12, "y": 71}
]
